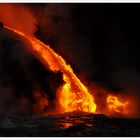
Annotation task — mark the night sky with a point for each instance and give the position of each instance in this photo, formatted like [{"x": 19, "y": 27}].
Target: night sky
[{"x": 113, "y": 30}]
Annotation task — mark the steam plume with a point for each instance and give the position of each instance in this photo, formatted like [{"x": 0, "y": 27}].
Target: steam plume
[{"x": 18, "y": 17}]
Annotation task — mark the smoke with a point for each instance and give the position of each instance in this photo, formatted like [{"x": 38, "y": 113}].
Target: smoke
[{"x": 18, "y": 17}]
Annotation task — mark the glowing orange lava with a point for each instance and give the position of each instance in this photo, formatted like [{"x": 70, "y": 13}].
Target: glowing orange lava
[
  {"x": 73, "y": 95},
  {"x": 115, "y": 105}
]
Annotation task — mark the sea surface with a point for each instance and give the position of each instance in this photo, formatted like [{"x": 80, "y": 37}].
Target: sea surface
[{"x": 68, "y": 125}]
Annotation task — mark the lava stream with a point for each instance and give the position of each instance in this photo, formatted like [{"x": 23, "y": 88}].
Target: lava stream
[{"x": 73, "y": 95}]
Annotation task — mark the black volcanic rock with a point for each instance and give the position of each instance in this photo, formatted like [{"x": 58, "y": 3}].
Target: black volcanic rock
[
  {"x": 21, "y": 73},
  {"x": 1, "y": 25}
]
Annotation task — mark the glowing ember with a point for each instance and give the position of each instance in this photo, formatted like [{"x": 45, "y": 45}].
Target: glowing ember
[
  {"x": 115, "y": 105},
  {"x": 73, "y": 95}
]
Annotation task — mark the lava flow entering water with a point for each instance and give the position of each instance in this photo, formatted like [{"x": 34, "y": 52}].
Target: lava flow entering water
[{"x": 73, "y": 95}]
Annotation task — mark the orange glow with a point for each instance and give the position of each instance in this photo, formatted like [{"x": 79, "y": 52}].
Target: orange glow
[
  {"x": 116, "y": 106},
  {"x": 41, "y": 102},
  {"x": 73, "y": 95}
]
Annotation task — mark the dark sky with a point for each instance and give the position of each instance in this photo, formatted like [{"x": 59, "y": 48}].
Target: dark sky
[{"x": 113, "y": 30}]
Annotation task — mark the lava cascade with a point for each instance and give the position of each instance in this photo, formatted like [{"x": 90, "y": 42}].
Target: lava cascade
[{"x": 73, "y": 95}]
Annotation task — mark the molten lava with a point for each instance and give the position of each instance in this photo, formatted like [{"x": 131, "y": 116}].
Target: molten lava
[
  {"x": 73, "y": 95},
  {"x": 116, "y": 106}
]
